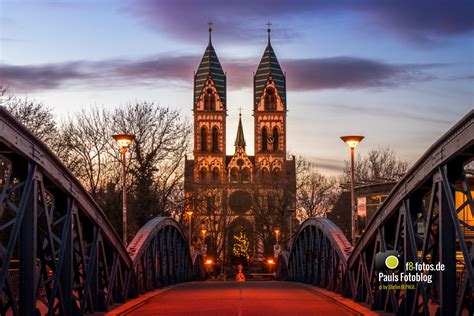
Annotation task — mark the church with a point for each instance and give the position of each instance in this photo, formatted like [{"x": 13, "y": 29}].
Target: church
[{"x": 241, "y": 205}]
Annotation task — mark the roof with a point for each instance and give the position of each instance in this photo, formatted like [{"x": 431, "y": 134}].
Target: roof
[
  {"x": 210, "y": 65},
  {"x": 240, "y": 139},
  {"x": 269, "y": 65}
]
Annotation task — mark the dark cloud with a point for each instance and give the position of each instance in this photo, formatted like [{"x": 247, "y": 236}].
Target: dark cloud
[
  {"x": 105, "y": 73},
  {"x": 466, "y": 77},
  {"x": 304, "y": 74},
  {"x": 39, "y": 77},
  {"x": 422, "y": 22},
  {"x": 351, "y": 73}
]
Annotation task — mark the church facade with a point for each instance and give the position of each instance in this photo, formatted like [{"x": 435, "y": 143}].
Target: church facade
[{"x": 238, "y": 201}]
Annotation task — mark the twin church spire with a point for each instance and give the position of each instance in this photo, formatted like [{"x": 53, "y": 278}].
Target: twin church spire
[
  {"x": 210, "y": 68},
  {"x": 210, "y": 106}
]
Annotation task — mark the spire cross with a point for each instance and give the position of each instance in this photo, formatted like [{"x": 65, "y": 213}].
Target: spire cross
[
  {"x": 269, "y": 29},
  {"x": 210, "y": 29},
  {"x": 240, "y": 111},
  {"x": 210, "y": 25}
]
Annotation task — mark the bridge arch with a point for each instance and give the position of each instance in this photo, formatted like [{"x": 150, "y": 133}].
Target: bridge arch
[
  {"x": 420, "y": 220},
  {"x": 71, "y": 260},
  {"x": 318, "y": 256},
  {"x": 160, "y": 255}
]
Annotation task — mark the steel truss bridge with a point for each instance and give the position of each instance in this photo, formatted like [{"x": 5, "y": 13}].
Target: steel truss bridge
[
  {"x": 419, "y": 220},
  {"x": 60, "y": 255}
]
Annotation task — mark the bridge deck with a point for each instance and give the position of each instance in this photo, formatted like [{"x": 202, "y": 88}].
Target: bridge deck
[{"x": 231, "y": 298}]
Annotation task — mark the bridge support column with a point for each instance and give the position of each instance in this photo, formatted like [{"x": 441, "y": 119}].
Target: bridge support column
[
  {"x": 28, "y": 250},
  {"x": 447, "y": 254},
  {"x": 67, "y": 271}
]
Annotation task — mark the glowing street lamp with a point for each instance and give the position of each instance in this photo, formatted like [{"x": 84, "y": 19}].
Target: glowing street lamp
[
  {"x": 203, "y": 233},
  {"x": 271, "y": 261},
  {"x": 124, "y": 141},
  {"x": 352, "y": 141},
  {"x": 277, "y": 234},
  {"x": 190, "y": 214}
]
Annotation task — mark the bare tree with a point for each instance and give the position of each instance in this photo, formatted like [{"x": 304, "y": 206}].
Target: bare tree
[
  {"x": 380, "y": 165},
  {"x": 214, "y": 219},
  {"x": 86, "y": 147},
  {"x": 154, "y": 167},
  {"x": 271, "y": 208},
  {"x": 157, "y": 156},
  {"x": 37, "y": 117},
  {"x": 315, "y": 193},
  {"x": 316, "y": 196}
]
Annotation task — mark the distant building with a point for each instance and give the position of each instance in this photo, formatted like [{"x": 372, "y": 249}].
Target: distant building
[
  {"x": 368, "y": 197},
  {"x": 238, "y": 200}
]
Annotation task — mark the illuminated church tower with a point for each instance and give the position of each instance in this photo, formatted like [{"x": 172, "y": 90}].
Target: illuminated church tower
[
  {"x": 238, "y": 199},
  {"x": 209, "y": 117},
  {"x": 270, "y": 113}
]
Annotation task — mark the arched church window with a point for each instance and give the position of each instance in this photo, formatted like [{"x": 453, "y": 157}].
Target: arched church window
[
  {"x": 213, "y": 102},
  {"x": 264, "y": 139},
  {"x": 203, "y": 175},
  {"x": 203, "y": 138},
  {"x": 234, "y": 175},
  {"x": 207, "y": 102},
  {"x": 276, "y": 175},
  {"x": 210, "y": 203},
  {"x": 215, "y": 175},
  {"x": 246, "y": 175},
  {"x": 270, "y": 100},
  {"x": 215, "y": 139},
  {"x": 264, "y": 175},
  {"x": 275, "y": 139}
]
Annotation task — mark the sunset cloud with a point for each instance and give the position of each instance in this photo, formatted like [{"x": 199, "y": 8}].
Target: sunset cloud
[
  {"x": 343, "y": 72},
  {"x": 423, "y": 23}
]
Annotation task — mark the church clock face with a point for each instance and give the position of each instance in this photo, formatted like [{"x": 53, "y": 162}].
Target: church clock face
[
  {"x": 270, "y": 139},
  {"x": 240, "y": 202}
]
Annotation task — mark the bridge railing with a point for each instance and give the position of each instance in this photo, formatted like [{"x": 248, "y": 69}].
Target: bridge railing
[
  {"x": 425, "y": 219},
  {"x": 161, "y": 256},
  {"x": 59, "y": 254}
]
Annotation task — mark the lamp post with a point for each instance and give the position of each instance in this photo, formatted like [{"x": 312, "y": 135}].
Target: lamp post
[
  {"x": 352, "y": 141},
  {"x": 277, "y": 234},
  {"x": 190, "y": 214},
  {"x": 203, "y": 248},
  {"x": 124, "y": 141}
]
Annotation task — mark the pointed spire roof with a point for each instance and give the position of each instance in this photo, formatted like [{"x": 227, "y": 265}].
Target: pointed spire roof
[
  {"x": 240, "y": 139},
  {"x": 269, "y": 65},
  {"x": 210, "y": 65}
]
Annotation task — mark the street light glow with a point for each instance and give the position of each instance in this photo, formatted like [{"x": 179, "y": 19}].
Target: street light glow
[
  {"x": 209, "y": 261},
  {"x": 189, "y": 213},
  {"x": 352, "y": 141},
  {"x": 123, "y": 140},
  {"x": 270, "y": 261}
]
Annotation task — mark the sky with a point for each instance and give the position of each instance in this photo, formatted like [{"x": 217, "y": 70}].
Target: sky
[{"x": 398, "y": 72}]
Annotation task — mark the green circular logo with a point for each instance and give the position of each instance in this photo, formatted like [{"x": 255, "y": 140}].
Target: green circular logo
[{"x": 391, "y": 262}]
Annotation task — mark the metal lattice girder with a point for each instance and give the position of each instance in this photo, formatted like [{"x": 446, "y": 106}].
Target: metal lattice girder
[
  {"x": 58, "y": 251},
  {"x": 419, "y": 219},
  {"x": 318, "y": 256},
  {"x": 160, "y": 255}
]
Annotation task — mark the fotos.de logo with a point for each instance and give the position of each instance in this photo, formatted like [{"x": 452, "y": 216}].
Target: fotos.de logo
[{"x": 387, "y": 260}]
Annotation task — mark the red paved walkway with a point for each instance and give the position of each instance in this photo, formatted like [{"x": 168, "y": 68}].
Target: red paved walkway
[{"x": 268, "y": 298}]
